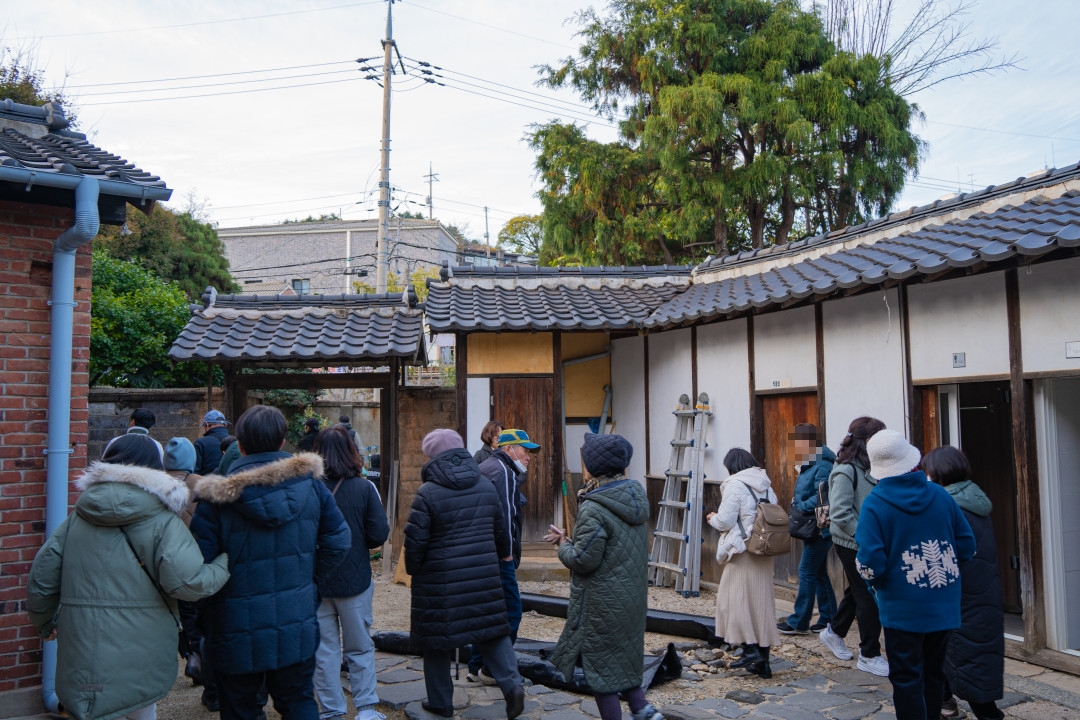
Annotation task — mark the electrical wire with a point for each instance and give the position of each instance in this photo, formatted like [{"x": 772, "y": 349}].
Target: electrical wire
[
  {"x": 218, "y": 84},
  {"x": 213, "y": 75},
  {"x": 229, "y": 92},
  {"x": 1003, "y": 132},
  {"x": 424, "y": 65},
  {"x": 493, "y": 27}
]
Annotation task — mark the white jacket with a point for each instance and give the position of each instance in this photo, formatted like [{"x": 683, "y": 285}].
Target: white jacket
[{"x": 738, "y": 504}]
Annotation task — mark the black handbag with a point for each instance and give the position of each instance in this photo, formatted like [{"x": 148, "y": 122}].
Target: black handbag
[{"x": 803, "y": 525}]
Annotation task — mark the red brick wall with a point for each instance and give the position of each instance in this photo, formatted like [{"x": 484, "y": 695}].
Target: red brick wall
[{"x": 26, "y": 235}]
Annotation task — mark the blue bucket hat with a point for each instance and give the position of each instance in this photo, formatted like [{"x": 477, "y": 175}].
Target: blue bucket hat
[{"x": 516, "y": 437}]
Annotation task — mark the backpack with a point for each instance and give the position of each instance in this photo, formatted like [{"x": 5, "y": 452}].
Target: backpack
[{"x": 769, "y": 535}]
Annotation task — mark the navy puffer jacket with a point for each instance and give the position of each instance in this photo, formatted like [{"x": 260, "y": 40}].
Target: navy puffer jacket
[
  {"x": 454, "y": 539},
  {"x": 975, "y": 659},
  {"x": 283, "y": 532}
]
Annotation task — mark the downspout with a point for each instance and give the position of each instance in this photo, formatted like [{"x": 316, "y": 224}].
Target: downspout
[{"x": 59, "y": 438}]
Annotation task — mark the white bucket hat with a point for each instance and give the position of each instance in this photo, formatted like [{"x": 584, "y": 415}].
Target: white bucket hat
[{"x": 891, "y": 455}]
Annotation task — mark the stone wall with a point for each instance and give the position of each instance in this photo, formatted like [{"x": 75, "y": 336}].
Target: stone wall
[
  {"x": 27, "y": 233},
  {"x": 420, "y": 410},
  {"x": 178, "y": 413},
  {"x": 363, "y": 414}
]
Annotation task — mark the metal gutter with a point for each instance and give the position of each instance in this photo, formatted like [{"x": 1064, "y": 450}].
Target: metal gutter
[{"x": 64, "y": 181}]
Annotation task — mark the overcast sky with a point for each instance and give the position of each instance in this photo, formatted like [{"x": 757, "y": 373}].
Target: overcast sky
[{"x": 313, "y": 147}]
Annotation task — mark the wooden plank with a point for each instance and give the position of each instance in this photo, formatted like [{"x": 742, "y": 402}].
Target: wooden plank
[
  {"x": 757, "y": 412},
  {"x": 516, "y": 352},
  {"x": 914, "y": 429},
  {"x": 313, "y": 381},
  {"x": 1027, "y": 477},
  {"x": 648, "y": 416},
  {"x": 693, "y": 365},
  {"x": 929, "y": 419},
  {"x": 525, "y": 403},
  {"x": 461, "y": 346},
  {"x": 819, "y": 346},
  {"x": 555, "y": 459}
]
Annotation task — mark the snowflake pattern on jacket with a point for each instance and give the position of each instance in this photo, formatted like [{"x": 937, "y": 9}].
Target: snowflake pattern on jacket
[{"x": 934, "y": 567}]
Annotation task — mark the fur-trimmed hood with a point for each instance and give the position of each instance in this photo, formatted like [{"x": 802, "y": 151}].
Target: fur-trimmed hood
[
  {"x": 122, "y": 494},
  {"x": 268, "y": 493}
]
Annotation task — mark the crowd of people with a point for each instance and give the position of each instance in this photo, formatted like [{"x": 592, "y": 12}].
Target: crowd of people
[{"x": 254, "y": 563}]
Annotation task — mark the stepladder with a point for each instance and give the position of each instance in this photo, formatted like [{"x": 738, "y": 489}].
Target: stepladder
[{"x": 675, "y": 559}]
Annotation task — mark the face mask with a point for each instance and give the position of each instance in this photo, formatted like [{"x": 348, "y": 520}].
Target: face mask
[{"x": 520, "y": 468}]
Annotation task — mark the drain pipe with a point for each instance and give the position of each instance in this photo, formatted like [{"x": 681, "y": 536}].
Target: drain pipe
[{"x": 59, "y": 439}]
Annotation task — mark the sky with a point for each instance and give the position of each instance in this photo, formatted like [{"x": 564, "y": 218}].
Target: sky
[{"x": 249, "y": 155}]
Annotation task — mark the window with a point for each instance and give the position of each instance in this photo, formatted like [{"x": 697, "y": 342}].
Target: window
[{"x": 302, "y": 287}]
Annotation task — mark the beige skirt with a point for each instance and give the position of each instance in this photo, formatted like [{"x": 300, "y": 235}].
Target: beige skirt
[{"x": 745, "y": 604}]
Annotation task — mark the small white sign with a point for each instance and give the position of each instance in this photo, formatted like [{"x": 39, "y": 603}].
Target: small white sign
[
  {"x": 785, "y": 383},
  {"x": 959, "y": 360},
  {"x": 1072, "y": 349}
]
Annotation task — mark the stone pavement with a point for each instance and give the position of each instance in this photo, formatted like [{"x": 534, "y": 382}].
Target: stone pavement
[{"x": 835, "y": 694}]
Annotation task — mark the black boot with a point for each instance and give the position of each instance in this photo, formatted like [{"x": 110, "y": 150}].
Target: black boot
[
  {"x": 761, "y": 666},
  {"x": 751, "y": 654}
]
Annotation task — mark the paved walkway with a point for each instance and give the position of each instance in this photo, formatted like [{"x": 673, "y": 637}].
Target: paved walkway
[{"x": 836, "y": 694}]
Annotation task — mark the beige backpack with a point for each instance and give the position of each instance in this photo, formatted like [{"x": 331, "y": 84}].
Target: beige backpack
[{"x": 769, "y": 536}]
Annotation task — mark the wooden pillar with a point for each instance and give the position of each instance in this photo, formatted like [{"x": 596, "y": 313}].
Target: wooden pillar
[
  {"x": 392, "y": 416},
  {"x": 209, "y": 387},
  {"x": 648, "y": 415},
  {"x": 693, "y": 365},
  {"x": 559, "y": 439},
  {"x": 912, "y": 399},
  {"x": 757, "y": 413},
  {"x": 461, "y": 357},
  {"x": 819, "y": 351},
  {"x": 1027, "y": 476}
]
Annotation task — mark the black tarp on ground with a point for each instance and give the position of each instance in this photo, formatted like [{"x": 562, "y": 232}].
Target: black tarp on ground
[
  {"x": 531, "y": 654},
  {"x": 663, "y": 622}
]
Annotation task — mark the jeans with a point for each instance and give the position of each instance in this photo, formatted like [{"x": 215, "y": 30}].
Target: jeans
[
  {"x": 814, "y": 580},
  {"x": 916, "y": 674},
  {"x": 345, "y": 630},
  {"x": 857, "y": 603},
  {"x": 508, "y": 575},
  {"x": 498, "y": 655},
  {"x": 290, "y": 687}
]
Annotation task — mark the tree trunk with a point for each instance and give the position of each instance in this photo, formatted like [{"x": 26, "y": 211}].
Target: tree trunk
[
  {"x": 668, "y": 260},
  {"x": 787, "y": 213},
  {"x": 720, "y": 231}
]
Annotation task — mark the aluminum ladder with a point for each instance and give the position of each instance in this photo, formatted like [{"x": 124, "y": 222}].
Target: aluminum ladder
[{"x": 675, "y": 559}]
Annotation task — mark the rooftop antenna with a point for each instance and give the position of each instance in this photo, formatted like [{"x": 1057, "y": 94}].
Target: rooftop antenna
[{"x": 431, "y": 177}]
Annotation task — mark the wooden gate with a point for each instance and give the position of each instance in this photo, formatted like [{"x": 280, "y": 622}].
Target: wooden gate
[{"x": 526, "y": 403}]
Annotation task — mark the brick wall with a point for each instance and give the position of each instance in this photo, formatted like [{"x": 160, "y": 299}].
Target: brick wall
[
  {"x": 178, "y": 412},
  {"x": 26, "y": 243},
  {"x": 420, "y": 410}
]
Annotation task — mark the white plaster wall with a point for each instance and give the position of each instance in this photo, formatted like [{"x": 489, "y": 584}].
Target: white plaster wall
[
  {"x": 670, "y": 375},
  {"x": 723, "y": 372},
  {"x": 785, "y": 350},
  {"x": 1049, "y": 315},
  {"x": 864, "y": 363},
  {"x": 963, "y": 315},
  {"x": 575, "y": 437},
  {"x": 627, "y": 400},
  {"x": 478, "y": 410}
]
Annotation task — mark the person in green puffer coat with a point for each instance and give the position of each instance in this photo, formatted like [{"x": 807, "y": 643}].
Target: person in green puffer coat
[
  {"x": 116, "y": 636},
  {"x": 608, "y": 561}
]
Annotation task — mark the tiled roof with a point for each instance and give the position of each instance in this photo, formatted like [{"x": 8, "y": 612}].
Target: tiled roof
[
  {"x": 944, "y": 206},
  {"x": 1032, "y": 229},
  {"x": 538, "y": 299},
  {"x": 35, "y": 149},
  {"x": 302, "y": 329}
]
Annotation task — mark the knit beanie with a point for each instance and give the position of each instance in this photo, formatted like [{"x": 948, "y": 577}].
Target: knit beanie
[
  {"x": 891, "y": 455},
  {"x": 180, "y": 455},
  {"x": 606, "y": 454},
  {"x": 437, "y": 442}
]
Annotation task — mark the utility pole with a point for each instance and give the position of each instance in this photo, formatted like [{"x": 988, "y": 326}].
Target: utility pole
[
  {"x": 431, "y": 176},
  {"x": 487, "y": 235},
  {"x": 382, "y": 264}
]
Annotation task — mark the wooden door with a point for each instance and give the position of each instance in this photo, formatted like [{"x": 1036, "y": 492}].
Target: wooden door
[
  {"x": 526, "y": 403},
  {"x": 986, "y": 439},
  {"x": 781, "y": 413}
]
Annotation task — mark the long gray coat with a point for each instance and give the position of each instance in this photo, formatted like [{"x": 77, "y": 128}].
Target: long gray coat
[
  {"x": 116, "y": 641},
  {"x": 608, "y": 561}
]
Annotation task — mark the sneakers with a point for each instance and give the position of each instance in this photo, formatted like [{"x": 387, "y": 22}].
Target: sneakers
[
  {"x": 480, "y": 676},
  {"x": 786, "y": 629},
  {"x": 818, "y": 626},
  {"x": 835, "y": 643},
  {"x": 647, "y": 713},
  {"x": 370, "y": 715},
  {"x": 875, "y": 665}
]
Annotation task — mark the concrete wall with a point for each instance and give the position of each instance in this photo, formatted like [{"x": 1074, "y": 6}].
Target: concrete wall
[
  {"x": 178, "y": 412},
  {"x": 420, "y": 410},
  {"x": 26, "y": 246},
  {"x": 364, "y": 416}
]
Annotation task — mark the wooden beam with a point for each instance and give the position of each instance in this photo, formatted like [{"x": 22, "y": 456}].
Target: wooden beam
[
  {"x": 914, "y": 409},
  {"x": 557, "y": 449},
  {"x": 648, "y": 417},
  {"x": 757, "y": 412},
  {"x": 819, "y": 345},
  {"x": 312, "y": 381},
  {"x": 693, "y": 365},
  {"x": 1027, "y": 476},
  {"x": 461, "y": 353}
]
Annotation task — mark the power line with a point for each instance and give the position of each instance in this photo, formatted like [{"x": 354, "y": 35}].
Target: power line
[
  {"x": 572, "y": 103},
  {"x": 493, "y": 27},
  {"x": 219, "y": 84},
  {"x": 228, "y": 92},
  {"x": 201, "y": 22},
  {"x": 213, "y": 75},
  {"x": 1003, "y": 132}
]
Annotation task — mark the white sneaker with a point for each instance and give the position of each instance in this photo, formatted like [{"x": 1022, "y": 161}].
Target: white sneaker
[
  {"x": 370, "y": 715},
  {"x": 835, "y": 643},
  {"x": 876, "y": 665}
]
